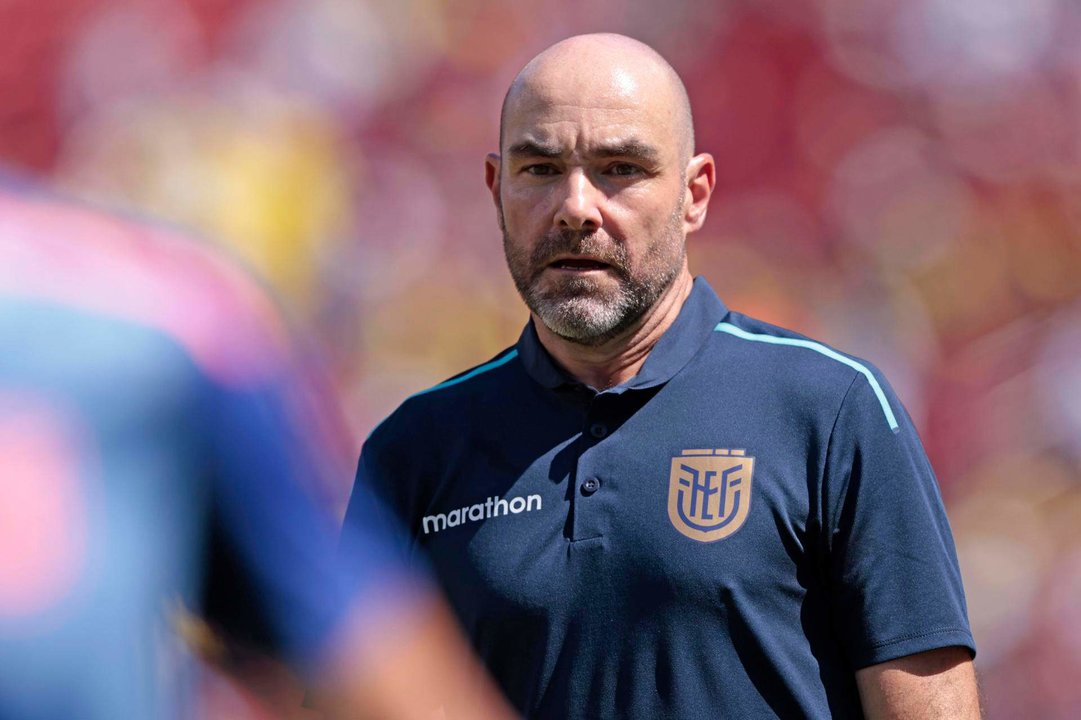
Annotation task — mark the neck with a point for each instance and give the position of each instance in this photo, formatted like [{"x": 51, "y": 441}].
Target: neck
[{"x": 619, "y": 359}]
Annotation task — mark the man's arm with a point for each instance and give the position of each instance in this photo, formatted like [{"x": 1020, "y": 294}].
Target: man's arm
[{"x": 926, "y": 686}]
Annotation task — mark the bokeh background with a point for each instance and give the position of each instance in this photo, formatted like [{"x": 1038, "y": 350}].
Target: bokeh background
[{"x": 898, "y": 178}]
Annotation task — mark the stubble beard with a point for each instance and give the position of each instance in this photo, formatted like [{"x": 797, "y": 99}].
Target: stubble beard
[{"x": 586, "y": 310}]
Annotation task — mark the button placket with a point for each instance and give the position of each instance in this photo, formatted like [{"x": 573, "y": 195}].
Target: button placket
[{"x": 588, "y": 510}]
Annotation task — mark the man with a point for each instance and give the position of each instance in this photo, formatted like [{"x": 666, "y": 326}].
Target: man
[
  {"x": 149, "y": 402},
  {"x": 652, "y": 506}
]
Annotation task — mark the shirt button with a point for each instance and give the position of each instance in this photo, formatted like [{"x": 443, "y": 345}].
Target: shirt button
[
  {"x": 591, "y": 485},
  {"x": 598, "y": 430}
]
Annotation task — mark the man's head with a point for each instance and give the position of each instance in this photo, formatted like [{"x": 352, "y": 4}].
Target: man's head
[{"x": 595, "y": 184}]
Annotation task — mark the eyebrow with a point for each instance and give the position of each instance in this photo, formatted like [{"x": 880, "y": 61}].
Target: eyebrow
[
  {"x": 629, "y": 149},
  {"x": 530, "y": 148},
  {"x": 633, "y": 148}
]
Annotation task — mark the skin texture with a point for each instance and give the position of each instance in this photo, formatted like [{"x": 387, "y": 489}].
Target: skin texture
[
  {"x": 935, "y": 684},
  {"x": 596, "y": 163}
]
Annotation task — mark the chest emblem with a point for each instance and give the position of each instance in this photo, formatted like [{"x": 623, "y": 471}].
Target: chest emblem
[{"x": 709, "y": 493}]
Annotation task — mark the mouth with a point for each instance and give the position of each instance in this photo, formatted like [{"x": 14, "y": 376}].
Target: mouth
[{"x": 578, "y": 264}]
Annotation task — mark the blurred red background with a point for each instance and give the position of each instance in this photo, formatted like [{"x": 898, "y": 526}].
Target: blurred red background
[{"x": 898, "y": 178}]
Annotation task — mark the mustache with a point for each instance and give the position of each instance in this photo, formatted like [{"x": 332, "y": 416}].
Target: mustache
[{"x": 600, "y": 246}]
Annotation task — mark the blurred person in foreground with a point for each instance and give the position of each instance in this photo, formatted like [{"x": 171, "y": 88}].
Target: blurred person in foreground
[
  {"x": 652, "y": 506},
  {"x": 149, "y": 401}
]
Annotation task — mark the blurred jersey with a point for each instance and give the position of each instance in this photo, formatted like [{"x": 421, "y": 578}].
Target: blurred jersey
[{"x": 148, "y": 394}]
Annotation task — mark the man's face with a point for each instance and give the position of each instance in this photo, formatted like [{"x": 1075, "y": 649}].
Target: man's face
[{"x": 590, "y": 195}]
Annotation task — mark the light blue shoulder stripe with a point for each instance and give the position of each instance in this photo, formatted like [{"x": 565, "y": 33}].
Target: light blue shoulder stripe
[
  {"x": 472, "y": 373},
  {"x": 454, "y": 381},
  {"x": 823, "y": 350}
]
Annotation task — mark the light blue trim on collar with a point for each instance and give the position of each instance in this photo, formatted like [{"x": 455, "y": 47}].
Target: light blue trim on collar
[
  {"x": 471, "y": 374},
  {"x": 823, "y": 350}
]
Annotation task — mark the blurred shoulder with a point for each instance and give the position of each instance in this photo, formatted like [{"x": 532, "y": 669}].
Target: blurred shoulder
[{"x": 142, "y": 272}]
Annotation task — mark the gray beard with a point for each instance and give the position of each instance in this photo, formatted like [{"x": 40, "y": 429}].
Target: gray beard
[
  {"x": 581, "y": 310},
  {"x": 578, "y": 314}
]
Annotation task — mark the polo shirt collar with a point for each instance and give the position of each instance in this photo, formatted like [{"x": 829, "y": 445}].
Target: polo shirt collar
[{"x": 699, "y": 315}]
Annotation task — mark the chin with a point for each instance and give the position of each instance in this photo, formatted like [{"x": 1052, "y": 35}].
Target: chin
[{"x": 583, "y": 320}]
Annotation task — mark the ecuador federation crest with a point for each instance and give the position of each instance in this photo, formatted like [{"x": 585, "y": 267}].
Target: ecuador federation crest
[{"x": 709, "y": 493}]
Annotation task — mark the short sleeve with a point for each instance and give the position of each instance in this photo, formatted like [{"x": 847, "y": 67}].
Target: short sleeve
[{"x": 893, "y": 573}]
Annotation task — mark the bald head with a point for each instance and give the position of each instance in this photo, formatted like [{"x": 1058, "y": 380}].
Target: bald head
[{"x": 602, "y": 69}]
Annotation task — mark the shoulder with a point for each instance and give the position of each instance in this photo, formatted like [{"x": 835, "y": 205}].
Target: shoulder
[
  {"x": 142, "y": 273},
  {"x": 787, "y": 350},
  {"x": 798, "y": 366},
  {"x": 452, "y": 405}
]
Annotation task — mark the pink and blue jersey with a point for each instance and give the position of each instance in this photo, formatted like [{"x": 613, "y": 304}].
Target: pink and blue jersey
[{"x": 150, "y": 400}]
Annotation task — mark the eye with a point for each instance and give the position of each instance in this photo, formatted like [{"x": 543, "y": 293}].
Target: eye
[
  {"x": 624, "y": 169},
  {"x": 540, "y": 170}
]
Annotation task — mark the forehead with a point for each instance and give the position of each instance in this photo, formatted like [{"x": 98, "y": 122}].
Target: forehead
[{"x": 571, "y": 106}]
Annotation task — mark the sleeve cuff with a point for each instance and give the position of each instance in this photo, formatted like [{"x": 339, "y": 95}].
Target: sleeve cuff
[{"x": 912, "y": 644}]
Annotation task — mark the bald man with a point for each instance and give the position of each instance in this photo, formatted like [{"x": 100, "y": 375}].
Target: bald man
[{"x": 652, "y": 506}]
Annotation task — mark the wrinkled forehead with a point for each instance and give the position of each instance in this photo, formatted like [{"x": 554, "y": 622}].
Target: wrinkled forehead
[{"x": 565, "y": 102}]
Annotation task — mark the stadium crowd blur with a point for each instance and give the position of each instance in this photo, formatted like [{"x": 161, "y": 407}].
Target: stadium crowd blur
[{"x": 898, "y": 178}]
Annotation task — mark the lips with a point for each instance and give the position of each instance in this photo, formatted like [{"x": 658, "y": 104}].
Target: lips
[{"x": 580, "y": 264}]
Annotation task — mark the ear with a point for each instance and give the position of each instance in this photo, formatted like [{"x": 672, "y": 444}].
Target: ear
[
  {"x": 491, "y": 175},
  {"x": 701, "y": 179}
]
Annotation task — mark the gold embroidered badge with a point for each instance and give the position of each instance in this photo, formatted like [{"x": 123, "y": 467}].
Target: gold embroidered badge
[{"x": 709, "y": 493}]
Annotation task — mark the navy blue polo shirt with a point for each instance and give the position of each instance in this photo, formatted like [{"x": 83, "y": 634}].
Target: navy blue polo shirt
[{"x": 731, "y": 533}]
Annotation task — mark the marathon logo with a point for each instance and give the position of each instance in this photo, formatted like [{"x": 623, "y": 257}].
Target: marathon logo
[{"x": 490, "y": 508}]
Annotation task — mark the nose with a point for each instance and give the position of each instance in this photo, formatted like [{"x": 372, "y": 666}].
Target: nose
[{"x": 581, "y": 206}]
